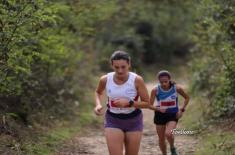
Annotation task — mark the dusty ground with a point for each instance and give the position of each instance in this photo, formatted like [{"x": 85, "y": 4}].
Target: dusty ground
[{"x": 92, "y": 141}]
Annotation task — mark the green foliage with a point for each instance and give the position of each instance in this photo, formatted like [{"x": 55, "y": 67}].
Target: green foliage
[
  {"x": 218, "y": 143},
  {"x": 51, "y": 50},
  {"x": 214, "y": 69},
  {"x": 45, "y": 56},
  {"x": 46, "y": 64},
  {"x": 151, "y": 31}
]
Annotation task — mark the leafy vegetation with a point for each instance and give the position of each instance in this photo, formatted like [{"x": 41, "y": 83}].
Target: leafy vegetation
[
  {"x": 46, "y": 65},
  {"x": 213, "y": 68},
  {"x": 52, "y": 51}
]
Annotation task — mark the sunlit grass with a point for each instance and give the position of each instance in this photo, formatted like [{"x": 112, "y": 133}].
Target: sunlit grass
[
  {"x": 217, "y": 143},
  {"x": 213, "y": 140},
  {"x": 193, "y": 116},
  {"x": 47, "y": 143}
]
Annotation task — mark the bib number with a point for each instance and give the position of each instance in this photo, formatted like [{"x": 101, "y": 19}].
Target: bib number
[{"x": 167, "y": 104}]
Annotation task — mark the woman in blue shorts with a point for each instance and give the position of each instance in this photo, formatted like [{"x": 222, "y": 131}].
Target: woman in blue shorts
[
  {"x": 123, "y": 118},
  {"x": 167, "y": 111}
]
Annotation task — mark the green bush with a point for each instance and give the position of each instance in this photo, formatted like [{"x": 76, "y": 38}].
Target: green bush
[
  {"x": 46, "y": 56},
  {"x": 151, "y": 31},
  {"x": 213, "y": 68}
]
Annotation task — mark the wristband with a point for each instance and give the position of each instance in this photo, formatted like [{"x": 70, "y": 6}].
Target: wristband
[
  {"x": 131, "y": 102},
  {"x": 182, "y": 109}
]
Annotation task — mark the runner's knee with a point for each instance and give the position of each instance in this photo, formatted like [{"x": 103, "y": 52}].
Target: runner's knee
[{"x": 168, "y": 134}]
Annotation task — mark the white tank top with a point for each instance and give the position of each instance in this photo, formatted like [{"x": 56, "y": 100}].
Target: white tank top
[{"x": 115, "y": 91}]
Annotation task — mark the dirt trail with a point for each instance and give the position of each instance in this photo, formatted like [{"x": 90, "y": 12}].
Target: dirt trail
[{"x": 92, "y": 142}]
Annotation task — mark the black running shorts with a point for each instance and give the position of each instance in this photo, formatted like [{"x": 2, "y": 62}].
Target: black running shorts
[{"x": 163, "y": 118}]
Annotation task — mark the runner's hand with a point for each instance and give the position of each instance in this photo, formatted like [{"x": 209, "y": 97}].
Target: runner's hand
[
  {"x": 98, "y": 110},
  {"x": 121, "y": 103},
  {"x": 179, "y": 114},
  {"x": 161, "y": 110},
  {"x": 152, "y": 107}
]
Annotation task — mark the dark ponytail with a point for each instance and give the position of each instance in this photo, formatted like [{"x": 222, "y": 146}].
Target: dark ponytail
[{"x": 172, "y": 83}]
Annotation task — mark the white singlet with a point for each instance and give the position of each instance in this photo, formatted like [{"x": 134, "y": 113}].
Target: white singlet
[{"x": 126, "y": 90}]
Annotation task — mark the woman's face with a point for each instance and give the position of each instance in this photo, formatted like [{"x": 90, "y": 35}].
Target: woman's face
[
  {"x": 121, "y": 68},
  {"x": 165, "y": 82}
]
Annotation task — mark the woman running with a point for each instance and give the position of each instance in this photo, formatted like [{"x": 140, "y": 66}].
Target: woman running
[
  {"x": 123, "y": 118},
  {"x": 167, "y": 111}
]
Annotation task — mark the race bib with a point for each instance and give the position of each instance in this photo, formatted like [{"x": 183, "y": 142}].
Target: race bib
[
  {"x": 168, "y": 104},
  {"x": 113, "y": 105}
]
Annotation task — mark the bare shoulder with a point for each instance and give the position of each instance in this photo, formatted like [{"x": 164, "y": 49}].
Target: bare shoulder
[
  {"x": 139, "y": 82},
  {"x": 139, "y": 79},
  {"x": 103, "y": 79},
  {"x": 179, "y": 87},
  {"x": 102, "y": 84},
  {"x": 154, "y": 90}
]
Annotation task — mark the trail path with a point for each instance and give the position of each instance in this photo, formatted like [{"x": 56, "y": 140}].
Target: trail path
[{"x": 92, "y": 141}]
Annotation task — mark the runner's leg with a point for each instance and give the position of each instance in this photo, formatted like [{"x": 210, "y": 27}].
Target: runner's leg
[
  {"x": 115, "y": 140},
  {"x": 170, "y": 137},
  {"x": 161, "y": 137},
  {"x": 132, "y": 142}
]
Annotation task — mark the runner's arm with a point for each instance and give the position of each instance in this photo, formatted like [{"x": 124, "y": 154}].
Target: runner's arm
[
  {"x": 181, "y": 91},
  {"x": 142, "y": 92},
  {"x": 98, "y": 93},
  {"x": 152, "y": 99}
]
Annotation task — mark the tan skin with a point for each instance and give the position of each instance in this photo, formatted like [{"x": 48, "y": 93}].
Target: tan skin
[
  {"x": 165, "y": 131},
  {"x": 116, "y": 138}
]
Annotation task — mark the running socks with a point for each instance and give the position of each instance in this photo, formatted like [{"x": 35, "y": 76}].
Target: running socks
[{"x": 173, "y": 151}]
